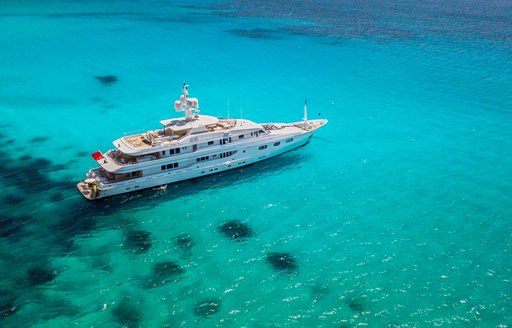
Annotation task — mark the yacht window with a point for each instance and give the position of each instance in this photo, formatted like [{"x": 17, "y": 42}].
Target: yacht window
[
  {"x": 210, "y": 143},
  {"x": 276, "y": 144},
  {"x": 171, "y": 151},
  {"x": 226, "y": 154},
  {"x": 169, "y": 166},
  {"x": 163, "y": 152},
  {"x": 263, "y": 147},
  {"x": 202, "y": 158},
  {"x": 241, "y": 136},
  {"x": 289, "y": 140}
]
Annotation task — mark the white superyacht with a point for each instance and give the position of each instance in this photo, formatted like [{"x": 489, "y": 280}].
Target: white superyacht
[{"x": 190, "y": 147}]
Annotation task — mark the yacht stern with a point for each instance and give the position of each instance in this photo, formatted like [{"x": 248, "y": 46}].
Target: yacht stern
[{"x": 88, "y": 189}]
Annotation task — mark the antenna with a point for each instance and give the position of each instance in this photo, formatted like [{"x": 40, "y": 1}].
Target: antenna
[
  {"x": 305, "y": 114},
  {"x": 228, "y": 106},
  {"x": 241, "y": 122}
]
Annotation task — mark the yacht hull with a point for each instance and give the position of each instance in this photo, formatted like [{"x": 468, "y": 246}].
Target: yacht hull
[{"x": 243, "y": 157}]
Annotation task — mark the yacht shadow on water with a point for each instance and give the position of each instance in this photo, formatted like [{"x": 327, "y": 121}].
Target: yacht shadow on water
[
  {"x": 151, "y": 197},
  {"x": 82, "y": 217}
]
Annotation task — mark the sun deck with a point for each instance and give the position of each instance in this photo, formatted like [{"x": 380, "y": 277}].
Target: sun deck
[
  {"x": 138, "y": 141},
  {"x": 176, "y": 129}
]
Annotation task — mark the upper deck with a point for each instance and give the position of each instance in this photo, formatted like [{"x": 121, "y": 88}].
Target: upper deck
[{"x": 179, "y": 131}]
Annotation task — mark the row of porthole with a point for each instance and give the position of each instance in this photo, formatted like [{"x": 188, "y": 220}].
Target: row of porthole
[
  {"x": 215, "y": 169},
  {"x": 211, "y": 170}
]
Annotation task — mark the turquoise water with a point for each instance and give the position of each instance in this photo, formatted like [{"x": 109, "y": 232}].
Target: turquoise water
[{"x": 397, "y": 214}]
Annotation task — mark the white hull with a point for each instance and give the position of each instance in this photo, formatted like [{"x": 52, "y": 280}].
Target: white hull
[{"x": 244, "y": 156}]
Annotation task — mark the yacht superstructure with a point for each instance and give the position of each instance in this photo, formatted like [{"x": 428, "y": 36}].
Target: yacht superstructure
[{"x": 190, "y": 147}]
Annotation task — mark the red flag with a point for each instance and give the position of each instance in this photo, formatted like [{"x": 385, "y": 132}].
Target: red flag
[{"x": 97, "y": 156}]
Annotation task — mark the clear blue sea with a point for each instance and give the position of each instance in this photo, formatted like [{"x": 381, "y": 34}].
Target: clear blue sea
[{"x": 397, "y": 214}]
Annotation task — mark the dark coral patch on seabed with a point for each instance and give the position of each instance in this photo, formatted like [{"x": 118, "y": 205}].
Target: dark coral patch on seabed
[
  {"x": 106, "y": 80},
  {"x": 82, "y": 154},
  {"x": 11, "y": 226},
  {"x": 8, "y": 304},
  {"x": 138, "y": 241},
  {"x": 165, "y": 272},
  {"x": 39, "y": 139},
  {"x": 57, "y": 197},
  {"x": 184, "y": 241},
  {"x": 12, "y": 200},
  {"x": 28, "y": 175},
  {"x": 40, "y": 276},
  {"x": 282, "y": 261},
  {"x": 356, "y": 305},
  {"x": 257, "y": 33},
  {"x": 167, "y": 269},
  {"x": 126, "y": 313},
  {"x": 236, "y": 230},
  {"x": 207, "y": 308}
]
